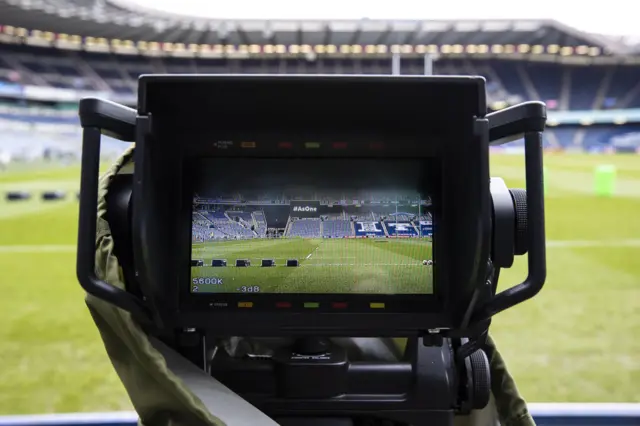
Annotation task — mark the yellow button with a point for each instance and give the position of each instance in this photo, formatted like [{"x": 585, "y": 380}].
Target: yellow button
[
  {"x": 245, "y": 304},
  {"x": 376, "y": 305}
]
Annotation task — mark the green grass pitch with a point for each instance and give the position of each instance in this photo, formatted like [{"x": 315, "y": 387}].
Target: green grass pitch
[
  {"x": 577, "y": 341},
  {"x": 365, "y": 266}
]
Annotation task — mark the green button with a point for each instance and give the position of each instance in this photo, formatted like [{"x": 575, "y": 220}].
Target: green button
[{"x": 311, "y": 305}]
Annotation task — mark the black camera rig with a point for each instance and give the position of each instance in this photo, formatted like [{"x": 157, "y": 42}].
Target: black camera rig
[{"x": 479, "y": 226}]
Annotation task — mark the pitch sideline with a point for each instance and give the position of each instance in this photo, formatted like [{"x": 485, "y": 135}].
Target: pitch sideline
[{"x": 71, "y": 248}]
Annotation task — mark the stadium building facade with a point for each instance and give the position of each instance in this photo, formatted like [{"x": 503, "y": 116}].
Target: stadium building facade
[{"x": 54, "y": 52}]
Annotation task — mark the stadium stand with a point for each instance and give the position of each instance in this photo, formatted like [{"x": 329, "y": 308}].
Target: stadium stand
[
  {"x": 337, "y": 228},
  {"x": 375, "y": 219},
  {"x": 54, "y": 52},
  {"x": 365, "y": 217},
  {"x": 563, "y": 87},
  {"x": 203, "y": 228},
  {"x": 234, "y": 230},
  {"x": 205, "y": 233},
  {"x": 261, "y": 223},
  {"x": 305, "y": 228},
  {"x": 369, "y": 229},
  {"x": 215, "y": 219},
  {"x": 400, "y": 217},
  {"x": 244, "y": 218},
  {"x": 400, "y": 229},
  {"x": 225, "y": 227},
  {"x": 424, "y": 224},
  {"x": 215, "y": 216}
]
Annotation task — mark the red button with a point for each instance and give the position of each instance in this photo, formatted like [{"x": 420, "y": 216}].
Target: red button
[
  {"x": 339, "y": 305},
  {"x": 283, "y": 305}
]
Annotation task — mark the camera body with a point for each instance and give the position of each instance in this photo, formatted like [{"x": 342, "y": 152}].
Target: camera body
[
  {"x": 184, "y": 118},
  {"x": 427, "y": 138}
]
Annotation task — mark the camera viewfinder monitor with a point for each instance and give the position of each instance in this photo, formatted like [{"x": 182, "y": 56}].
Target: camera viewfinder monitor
[
  {"x": 337, "y": 227},
  {"x": 302, "y": 204}
]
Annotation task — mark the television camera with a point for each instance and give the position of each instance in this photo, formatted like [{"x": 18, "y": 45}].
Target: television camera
[{"x": 300, "y": 212}]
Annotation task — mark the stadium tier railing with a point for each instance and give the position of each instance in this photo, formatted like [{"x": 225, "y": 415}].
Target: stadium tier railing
[{"x": 545, "y": 414}]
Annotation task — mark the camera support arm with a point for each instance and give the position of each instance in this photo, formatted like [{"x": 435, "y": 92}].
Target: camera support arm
[{"x": 527, "y": 119}]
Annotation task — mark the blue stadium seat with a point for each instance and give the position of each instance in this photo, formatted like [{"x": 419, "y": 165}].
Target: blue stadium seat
[
  {"x": 509, "y": 76},
  {"x": 585, "y": 83},
  {"x": 336, "y": 228},
  {"x": 305, "y": 228},
  {"x": 368, "y": 229},
  {"x": 400, "y": 229}
]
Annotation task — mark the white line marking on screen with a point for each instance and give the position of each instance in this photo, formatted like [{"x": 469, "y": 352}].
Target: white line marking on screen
[
  {"x": 70, "y": 248},
  {"x": 361, "y": 264},
  {"x": 334, "y": 257}
]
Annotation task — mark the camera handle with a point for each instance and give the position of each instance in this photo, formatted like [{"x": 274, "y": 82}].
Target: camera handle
[
  {"x": 527, "y": 119},
  {"x": 100, "y": 117}
]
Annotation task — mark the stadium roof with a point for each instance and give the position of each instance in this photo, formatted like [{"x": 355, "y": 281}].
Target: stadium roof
[
  {"x": 589, "y": 19},
  {"x": 124, "y": 22}
]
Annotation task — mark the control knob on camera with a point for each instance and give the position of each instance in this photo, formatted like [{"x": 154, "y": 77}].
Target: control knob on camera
[{"x": 521, "y": 241}]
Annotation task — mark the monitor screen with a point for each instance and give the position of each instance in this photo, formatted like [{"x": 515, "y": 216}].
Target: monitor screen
[{"x": 321, "y": 226}]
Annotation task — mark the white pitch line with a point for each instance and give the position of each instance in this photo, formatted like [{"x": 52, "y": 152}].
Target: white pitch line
[
  {"x": 334, "y": 257},
  {"x": 71, "y": 248},
  {"x": 309, "y": 256},
  {"x": 361, "y": 264}
]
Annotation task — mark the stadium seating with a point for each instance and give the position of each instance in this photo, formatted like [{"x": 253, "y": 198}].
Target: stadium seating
[
  {"x": 29, "y": 129},
  {"x": 581, "y": 77},
  {"x": 400, "y": 217},
  {"x": 563, "y": 87},
  {"x": 226, "y": 227},
  {"x": 261, "y": 222},
  {"x": 306, "y": 228},
  {"x": 400, "y": 229},
  {"x": 424, "y": 223},
  {"x": 234, "y": 230},
  {"x": 205, "y": 233},
  {"x": 215, "y": 216},
  {"x": 368, "y": 229},
  {"x": 365, "y": 217},
  {"x": 336, "y": 228},
  {"x": 624, "y": 89},
  {"x": 245, "y": 216},
  {"x": 425, "y": 217}
]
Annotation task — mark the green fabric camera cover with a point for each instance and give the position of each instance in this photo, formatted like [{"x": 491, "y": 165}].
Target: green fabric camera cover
[{"x": 167, "y": 390}]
